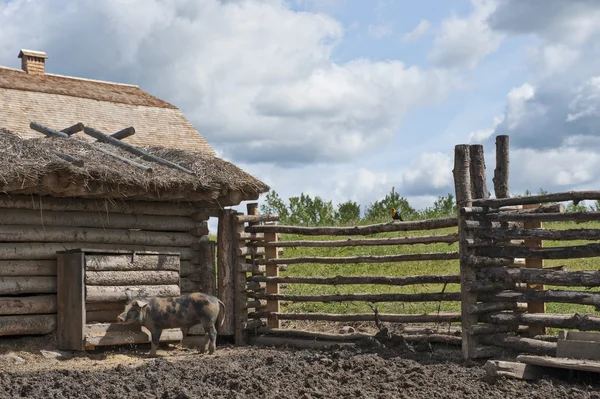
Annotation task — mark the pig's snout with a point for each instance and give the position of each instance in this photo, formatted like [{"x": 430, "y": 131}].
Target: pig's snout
[{"x": 120, "y": 319}]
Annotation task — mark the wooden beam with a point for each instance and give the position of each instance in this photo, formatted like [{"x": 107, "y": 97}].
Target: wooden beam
[
  {"x": 501, "y": 172},
  {"x": 423, "y": 297},
  {"x": 70, "y": 301},
  {"x": 350, "y": 242},
  {"x": 339, "y": 280},
  {"x": 360, "y": 259},
  {"x": 538, "y": 199}
]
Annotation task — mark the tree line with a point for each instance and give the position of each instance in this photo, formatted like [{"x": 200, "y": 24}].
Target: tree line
[{"x": 305, "y": 210}]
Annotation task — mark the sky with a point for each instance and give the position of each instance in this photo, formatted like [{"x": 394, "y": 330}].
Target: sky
[{"x": 345, "y": 99}]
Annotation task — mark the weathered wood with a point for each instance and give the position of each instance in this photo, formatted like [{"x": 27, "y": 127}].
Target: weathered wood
[
  {"x": 521, "y": 344},
  {"x": 350, "y": 242},
  {"x": 96, "y": 293},
  {"x": 226, "y": 269},
  {"x": 391, "y": 318},
  {"x": 539, "y": 199},
  {"x": 486, "y": 307},
  {"x": 501, "y": 172},
  {"x": 463, "y": 191},
  {"x": 72, "y": 160},
  {"x": 250, "y": 251},
  {"x": 562, "y": 363},
  {"x": 484, "y": 210},
  {"x": 488, "y": 328},
  {"x": 423, "y": 297},
  {"x": 97, "y": 306},
  {"x": 45, "y": 250},
  {"x": 103, "y": 316},
  {"x": 519, "y": 371},
  {"x": 102, "y": 220},
  {"x": 200, "y": 229},
  {"x": 123, "y": 133},
  {"x": 131, "y": 262},
  {"x": 241, "y": 298},
  {"x": 189, "y": 285},
  {"x": 542, "y": 234},
  {"x": 130, "y": 338},
  {"x": 477, "y": 172},
  {"x": 27, "y": 268},
  {"x": 255, "y": 304},
  {"x": 39, "y": 304},
  {"x": 38, "y": 324},
  {"x": 43, "y": 203},
  {"x": 256, "y": 269},
  {"x": 569, "y": 252},
  {"x": 578, "y": 345},
  {"x": 578, "y": 297},
  {"x": 488, "y": 286},
  {"x": 585, "y": 278},
  {"x": 272, "y": 286},
  {"x": 251, "y": 236},
  {"x": 485, "y": 261},
  {"x": 54, "y": 133},
  {"x": 18, "y": 285},
  {"x": 428, "y": 224},
  {"x": 132, "y": 277},
  {"x": 71, "y": 130},
  {"x": 361, "y": 259},
  {"x": 70, "y": 301},
  {"x": 337, "y": 280},
  {"x": 545, "y": 217},
  {"x": 486, "y": 224},
  {"x": 25, "y": 233},
  {"x": 207, "y": 272},
  {"x": 580, "y": 322},
  {"x": 257, "y": 218}
]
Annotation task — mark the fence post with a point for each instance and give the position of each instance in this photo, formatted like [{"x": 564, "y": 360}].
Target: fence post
[
  {"x": 272, "y": 288},
  {"x": 462, "y": 187},
  {"x": 241, "y": 296},
  {"x": 252, "y": 209},
  {"x": 536, "y": 263},
  {"x": 226, "y": 268},
  {"x": 501, "y": 171}
]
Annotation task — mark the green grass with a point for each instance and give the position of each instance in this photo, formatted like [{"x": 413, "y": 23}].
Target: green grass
[{"x": 404, "y": 269}]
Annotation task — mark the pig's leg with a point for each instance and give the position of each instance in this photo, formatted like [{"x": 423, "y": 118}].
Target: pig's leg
[
  {"x": 156, "y": 333},
  {"x": 185, "y": 332},
  {"x": 211, "y": 341}
]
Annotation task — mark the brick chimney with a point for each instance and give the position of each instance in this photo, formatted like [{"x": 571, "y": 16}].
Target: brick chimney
[{"x": 33, "y": 62}]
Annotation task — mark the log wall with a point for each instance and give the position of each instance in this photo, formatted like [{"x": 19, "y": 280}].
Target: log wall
[{"x": 33, "y": 229}]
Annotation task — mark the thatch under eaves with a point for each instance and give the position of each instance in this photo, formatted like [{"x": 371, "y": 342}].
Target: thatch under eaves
[{"x": 35, "y": 166}]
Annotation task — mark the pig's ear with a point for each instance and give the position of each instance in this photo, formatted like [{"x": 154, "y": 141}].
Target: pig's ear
[
  {"x": 140, "y": 303},
  {"x": 128, "y": 295}
]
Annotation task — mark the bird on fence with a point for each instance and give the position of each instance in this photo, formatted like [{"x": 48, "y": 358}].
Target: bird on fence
[{"x": 396, "y": 215}]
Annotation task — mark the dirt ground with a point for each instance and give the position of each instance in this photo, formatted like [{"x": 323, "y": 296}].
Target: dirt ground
[{"x": 253, "y": 372}]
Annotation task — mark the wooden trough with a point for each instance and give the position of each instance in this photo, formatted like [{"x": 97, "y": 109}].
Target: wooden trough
[{"x": 91, "y": 287}]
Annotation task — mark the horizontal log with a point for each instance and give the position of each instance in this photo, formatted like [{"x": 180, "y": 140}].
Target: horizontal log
[
  {"x": 130, "y": 262},
  {"x": 346, "y": 317},
  {"x": 38, "y": 324},
  {"x": 255, "y": 304},
  {"x": 45, "y": 250},
  {"x": 488, "y": 328},
  {"x": 585, "y": 278},
  {"x": 131, "y": 338},
  {"x": 187, "y": 268},
  {"x": 256, "y": 218},
  {"x": 544, "y": 208},
  {"x": 423, "y": 297},
  {"x": 578, "y": 297},
  {"x": 95, "y": 220},
  {"x": 27, "y": 268},
  {"x": 40, "y": 304},
  {"x": 247, "y": 267},
  {"x": 44, "y": 203},
  {"x": 428, "y": 224},
  {"x": 98, "y": 306},
  {"x": 561, "y": 363},
  {"x": 488, "y": 285},
  {"x": 538, "y": 199},
  {"x": 27, "y": 285},
  {"x": 200, "y": 230},
  {"x": 24, "y": 233},
  {"x": 520, "y": 344},
  {"x": 486, "y": 307},
  {"x": 546, "y": 217},
  {"x": 96, "y": 293},
  {"x": 541, "y": 234},
  {"x": 250, "y": 251},
  {"x": 188, "y": 285},
  {"x": 132, "y": 277},
  {"x": 361, "y": 259},
  {"x": 351, "y": 242},
  {"x": 103, "y": 316},
  {"x": 255, "y": 286},
  {"x": 576, "y": 321},
  {"x": 520, "y": 371},
  {"x": 575, "y": 251},
  {"x": 486, "y": 261},
  {"x": 482, "y": 224},
  {"x": 337, "y": 280}
]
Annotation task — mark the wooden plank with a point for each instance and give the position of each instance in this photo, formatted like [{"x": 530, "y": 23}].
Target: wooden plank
[
  {"x": 154, "y": 277},
  {"x": 535, "y": 263},
  {"x": 578, "y": 349},
  {"x": 339, "y": 280},
  {"x": 131, "y": 338},
  {"x": 38, "y": 324},
  {"x": 272, "y": 287},
  {"x": 27, "y": 285},
  {"x": 351, "y": 242},
  {"x": 70, "y": 301},
  {"x": 38, "y": 304},
  {"x": 562, "y": 363},
  {"x": 519, "y": 371},
  {"x": 539, "y": 199},
  {"x": 103, "y": 316},
  {"x": 391, "y": 318},
  {"x": 226, "y": 269},
  {"x": 423, "y": 297},
  {"x": 241, "y": 298},
  {"x": 359, "y": 259},
  {"x": 47, "y": 250},
  {"x": 131, "y": 262},
  {"x": 96, "y": 293},
  {"x": 21, "y": 268}
]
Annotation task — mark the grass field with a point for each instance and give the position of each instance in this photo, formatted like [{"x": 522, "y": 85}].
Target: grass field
[{"x": 405, "y": 269}]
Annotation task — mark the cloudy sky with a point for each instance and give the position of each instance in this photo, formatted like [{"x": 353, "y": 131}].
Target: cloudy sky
[{"x": 346, "y": 98}]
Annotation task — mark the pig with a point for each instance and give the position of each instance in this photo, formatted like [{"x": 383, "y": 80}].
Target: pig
[{"x": 183, "y": 312}]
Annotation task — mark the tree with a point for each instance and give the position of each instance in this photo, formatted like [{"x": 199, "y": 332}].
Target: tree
[
  {"x": 442, "y": 207},
  {"x": 347, "y": 212},
  {"x": 381, "y": 209},
  {"x": 275, "y": 206}
]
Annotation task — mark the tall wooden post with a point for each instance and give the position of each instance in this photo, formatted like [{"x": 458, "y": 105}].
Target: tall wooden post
[
  {"x": 272, "y": 288},
  {"x": 462, "y": 186},
  {"x": 252, "y": 209},
  {"x": 501, "y": 171},
  {"x": 537, "y": 263},
  {"x": 226, "y": 262},
  {"x": 241, "y": 296}
]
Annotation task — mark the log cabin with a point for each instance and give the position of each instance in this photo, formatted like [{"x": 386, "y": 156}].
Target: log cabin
[{"x": 81, "y": 171}]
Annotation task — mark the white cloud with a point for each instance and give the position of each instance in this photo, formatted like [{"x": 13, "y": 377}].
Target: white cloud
[
  {"x": 417, "y": 32},
  {"x": 463, "y": 42},
  {"x": 481, "y": 135},
  {"x": 255, "y": 77},
  {"x": 379, "y": 31}
]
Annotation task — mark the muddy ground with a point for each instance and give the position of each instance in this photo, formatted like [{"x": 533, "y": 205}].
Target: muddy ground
[{"x": 252, "y": 372}]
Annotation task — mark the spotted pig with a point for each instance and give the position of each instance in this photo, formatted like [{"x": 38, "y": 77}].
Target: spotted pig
[{"x": 183, "y": 312}]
